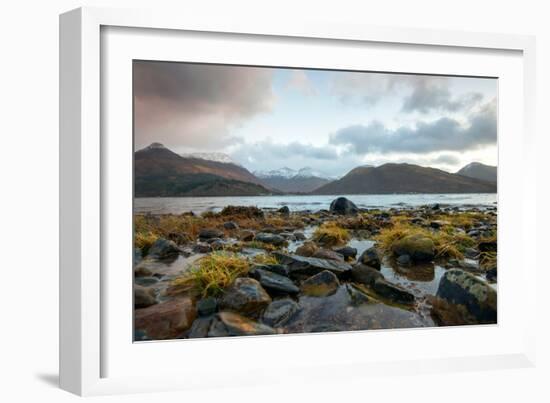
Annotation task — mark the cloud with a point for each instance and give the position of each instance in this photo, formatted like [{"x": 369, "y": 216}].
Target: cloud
[
  {"x": 430, "y": 94},
  {"x": 299, "y": 81},
  {"x": 267, "y": 150},
  {"x": 195, "y": 105},
  {"x": 444, "y": 134}
]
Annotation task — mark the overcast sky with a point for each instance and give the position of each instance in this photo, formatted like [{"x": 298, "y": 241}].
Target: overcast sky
[{"x": 332, "y": 121}]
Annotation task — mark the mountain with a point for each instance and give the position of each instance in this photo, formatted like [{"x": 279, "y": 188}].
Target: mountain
[
  {"x": 216, "y": 157},
  {"x": 479, "y": 171},
  {"x": 289, "y": 180},
  {"x": 161, "y": 172},
  {"x": 404, "y": 178}
]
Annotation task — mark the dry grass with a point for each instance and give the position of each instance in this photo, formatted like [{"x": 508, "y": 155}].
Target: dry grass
[
  {"x": 212, "y": 274},
  {"x": 463, "y": 219},
  {"x": 264, "y": 259},
  {"x": 331, "y": 234},
  {"x": 144, "y": 240},
  {"x": 447, "y": 244}
]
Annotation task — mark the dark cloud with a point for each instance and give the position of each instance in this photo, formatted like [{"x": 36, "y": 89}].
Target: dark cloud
[
  {"x": 429, "y": 94},
  {"x": 195, "y": 105},
  {"x": 444, "y": 134}
]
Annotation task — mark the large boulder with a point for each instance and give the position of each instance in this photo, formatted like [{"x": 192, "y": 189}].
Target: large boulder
[
  {"x": 280, "y": 312},
  {"x": 419, "y": 247},
  {"x": 371, "y": 258},
  {"x": 300, "y": 266},
  {"x": 143, "y": 297},
  {"x": 245, "y": 296},
  {"x": 163, "y": 249},
  {"x": 273, "y": 239},
  {"x": 320, "y": 285},
  {"x": 232, "y": 324},
  {"x": 166, "y": 320},
  {"x": 343, "y": 206},
  {"x": 460, "y": 287},
  {"x": 274, "y": 282}
]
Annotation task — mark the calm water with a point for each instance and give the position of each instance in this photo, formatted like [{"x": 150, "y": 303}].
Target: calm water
[{"x": 177, "y": 205}]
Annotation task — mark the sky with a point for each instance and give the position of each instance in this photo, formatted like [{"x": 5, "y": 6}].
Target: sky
[{"x": 330, "y": 121}]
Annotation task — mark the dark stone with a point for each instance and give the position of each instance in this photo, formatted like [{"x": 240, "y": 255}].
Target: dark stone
[
  {"x": 343, "y": 206},
  {"x": 230, "y": 225},
  {"x": 200, "y": 327},
  {"x": 392, "y": 292},
  {"x": 404, "y": 260},
  {"x": 232, "y": 324},
  {"x": 163, "y": 248},
  {"x": 274, "y": 282},
  {"x": 363, "y": 274},
  {"x": 246, "y": 235},
  {"x": 299, "y": 236},
  {"x": 308, "y": 266},
  {"x": 273, "y": 239},
  {"x": 279, "y": 312},
  {"x": 143, "y": 297},
  {"x": 488, "y": 246},
  {"x": 207, "y": 306},
  {"x": 347, "y": 252},
  {"x": 460, "y": 287},
  {"x": 320, "y": 285},
  {"x": 419, "y": 247},
  {"x": 245, "y": 296},
  {"x": 371, "y": 258},
  {"x": 491, "y": 274},
  {"x": 166, "y": 320},
  {"x": 357, "y": 296},
  {"x": 328, "y": 254},
  {"x": 202, "y": 248},
  {"x": 146, "y": 281},
  {"x": 471, "y": 253},
  {"x": 209, "y": 233},
  {"x": 280, "y": 269},
  {"x": 284, "y": 210}
]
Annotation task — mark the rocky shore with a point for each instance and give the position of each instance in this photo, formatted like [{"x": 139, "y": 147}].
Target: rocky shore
[{"x": 246, "y": 271}]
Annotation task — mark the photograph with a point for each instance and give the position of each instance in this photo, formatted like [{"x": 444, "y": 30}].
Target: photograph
[{"x": 273, "y": 200}]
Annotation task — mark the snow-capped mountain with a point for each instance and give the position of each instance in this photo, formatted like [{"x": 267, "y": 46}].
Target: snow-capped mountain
[
  {"x": 216, "y": 157},
  {"x": 291, "y": 180}
]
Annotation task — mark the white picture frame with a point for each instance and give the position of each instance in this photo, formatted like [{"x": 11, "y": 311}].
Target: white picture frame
[{"x": 84, "y": 169}]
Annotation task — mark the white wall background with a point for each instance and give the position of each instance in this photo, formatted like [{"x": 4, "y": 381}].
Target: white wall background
[{"x": 29, "y": 202}]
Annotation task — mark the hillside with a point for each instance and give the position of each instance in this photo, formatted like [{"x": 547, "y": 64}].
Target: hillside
[
  {"x": 404, "y": 178},
  {"x": 160, "y": 172},
  {"x": 479, "y": 171},
  {"x": 288, "y": 180}
]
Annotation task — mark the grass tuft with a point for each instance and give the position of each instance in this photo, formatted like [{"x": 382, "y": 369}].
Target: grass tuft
[{"x": 331, "y": 234}]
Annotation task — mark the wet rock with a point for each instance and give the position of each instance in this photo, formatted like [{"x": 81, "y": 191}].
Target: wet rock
[
  {"x": 143, "y": 297},
  {"x": 245, "y": 296},
  {"x": 280, "y": 269},
  {"x": 284, "y": 210},
  {"x": 246, "y": 235},
  {"x": 392, "y": 292},
  {"x": 343, "y": 206},
  {"x": 274, "y": 282},
  {"x": 279, "y": 312},
  {"x": 371, "y": 258},
  {"x": 328, "y": 254},
  {"x": 163, "y": 249},
  {"x": 460, "y": 287},
  {"x": 218, "y": 244},
  {"x": 273, "y": 239},
  {"x": 347, "y": 252},
  {"x": 491, "y": 274},
  {"x": 320, "y": 285},
  {"x": 471, "y": 253},
  {"x": 210, "y": 233},
  {"x": 166, "y": 320},
  {"x": 437, "y": 224},
  {"x": 357, "y": 297},
  {"x": 404, "y": 260},
  {"x": 232, "y": 324},
  {"x": 141, "y": 270},
  {"x": 308, "y": 266},
  {"x": 200, "y": 327},
  {"x": 299, "y": 236},
  {"x": 146, "y": 281},
  {"x": 230, "y": 225},
  {"x": 420, "y": 248},
  {"x": 202, "y": 248},
  {"x": 364, "y": 274},
  {"x": 207, "y": 306},
  {"x": 137, "y": 256},
  {"x": 470, "y": 265},
  {"x": 307, "y": 249}
]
